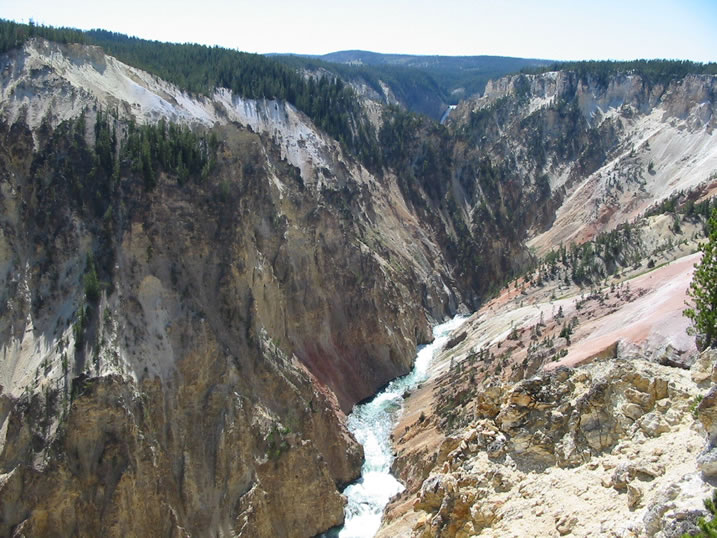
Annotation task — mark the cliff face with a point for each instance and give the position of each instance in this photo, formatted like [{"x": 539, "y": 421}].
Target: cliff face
[
  {"x": 176, "y": 359},
  {"x": 592, "y": 153},
  {"x": 564, "y": 406}
]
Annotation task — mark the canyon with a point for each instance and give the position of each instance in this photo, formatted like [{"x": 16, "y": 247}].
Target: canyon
[
  {"x": 211, "y": 370},
  {"x": 180, "y": 349}
]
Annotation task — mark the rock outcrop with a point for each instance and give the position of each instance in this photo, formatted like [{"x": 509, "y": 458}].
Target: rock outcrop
[
  {"x": 707, "y": 412},
  {"x": 608, "y": 448}
]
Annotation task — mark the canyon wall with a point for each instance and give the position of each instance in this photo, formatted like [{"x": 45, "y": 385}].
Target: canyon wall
[{"x": 177, "y": 360}]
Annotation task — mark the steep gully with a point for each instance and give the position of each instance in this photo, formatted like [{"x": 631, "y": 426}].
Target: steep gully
[{"x": 371, "y": 424}]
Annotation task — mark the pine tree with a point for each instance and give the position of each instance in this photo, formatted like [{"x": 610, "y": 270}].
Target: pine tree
[
  {"x": 92, "y": 283},
  {"x": 703, "y": 291}
]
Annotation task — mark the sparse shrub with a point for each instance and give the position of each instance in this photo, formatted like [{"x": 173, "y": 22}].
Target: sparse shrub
[
  {"x": 566, "y": 331},
  {"x": 695, "y": 404},
  {"x": 91, "y": 282},
  {"x": 708, "y": 529}
]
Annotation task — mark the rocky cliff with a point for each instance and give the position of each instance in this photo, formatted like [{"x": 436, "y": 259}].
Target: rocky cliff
[
  {"x": 605, "y": 449},
  {"x": 564, "y": 405},
  {"x": 593, "y": 151},
  {"x": 178, "y": 347}
]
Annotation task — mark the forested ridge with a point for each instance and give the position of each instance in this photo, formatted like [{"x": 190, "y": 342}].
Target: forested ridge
[
  {"x": 457, "y": 76},
  {"x": 652, "y": 71},
  {"x": 414, "y": 88},
  {"x": 443, "y": 172},
  {"x": 328, "y": 101}
]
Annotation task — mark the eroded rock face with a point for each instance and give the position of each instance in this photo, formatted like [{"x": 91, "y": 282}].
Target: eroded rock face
[
  {"x": 578, "y": 138},
  {"x": 565, "y": 417},
  {"x": 608, "y": 447},
  {"x": 190, "y": 399},
  {"x": 707, "y": 413},
  {"x": 130, "y": 460},
  {"x": 201, "y": 387}
]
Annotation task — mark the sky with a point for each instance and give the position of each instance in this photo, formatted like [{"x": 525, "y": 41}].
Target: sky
[{"x": 550, "y": 29}]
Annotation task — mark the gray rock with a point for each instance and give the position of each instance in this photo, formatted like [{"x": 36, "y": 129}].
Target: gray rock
[
  {"x": 634, "y": 496},
  {"x": 653, "y": 425},
  {"x": 662, "y": 503},
  {"x": 682, "y": 523},
  {"x": 632, "y": 410},
  {"x": 707, "y": 413},
  {"x": 707, "y": 462},
  {"x": 566, "y": 523},
  {"x": 701, "y": 370}
]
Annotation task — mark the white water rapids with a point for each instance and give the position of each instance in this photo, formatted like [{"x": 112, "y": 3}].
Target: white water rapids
[{"x": 372, "y": 423}]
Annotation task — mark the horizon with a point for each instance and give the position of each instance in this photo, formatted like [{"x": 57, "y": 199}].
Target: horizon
[{"x": 559, "y": 30}]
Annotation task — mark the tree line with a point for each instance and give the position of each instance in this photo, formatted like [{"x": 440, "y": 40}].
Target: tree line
[
  {"x": 91, "y": 173},
  {"x": 652, "y": 71},
  {"x": 199, "y": 69}
]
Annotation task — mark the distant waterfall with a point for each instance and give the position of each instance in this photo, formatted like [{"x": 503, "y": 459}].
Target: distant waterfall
[{"x": 450, "y": 109}]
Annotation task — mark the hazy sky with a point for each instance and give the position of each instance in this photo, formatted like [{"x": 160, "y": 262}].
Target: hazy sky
[{"x": 554, "y": 29}]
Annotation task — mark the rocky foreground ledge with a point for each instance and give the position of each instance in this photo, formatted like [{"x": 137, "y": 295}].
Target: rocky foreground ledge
[{"x": 612, "y": 448}]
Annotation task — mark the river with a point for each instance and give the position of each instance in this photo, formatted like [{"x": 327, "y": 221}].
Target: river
[{"x": 372, "y": 423}]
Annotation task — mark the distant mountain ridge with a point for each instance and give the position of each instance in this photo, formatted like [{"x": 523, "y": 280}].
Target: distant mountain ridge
[
  {"x": 424, "y": 84},
  {"x": 482, "y": 61},
  {"x": 471, "y": 73}
]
